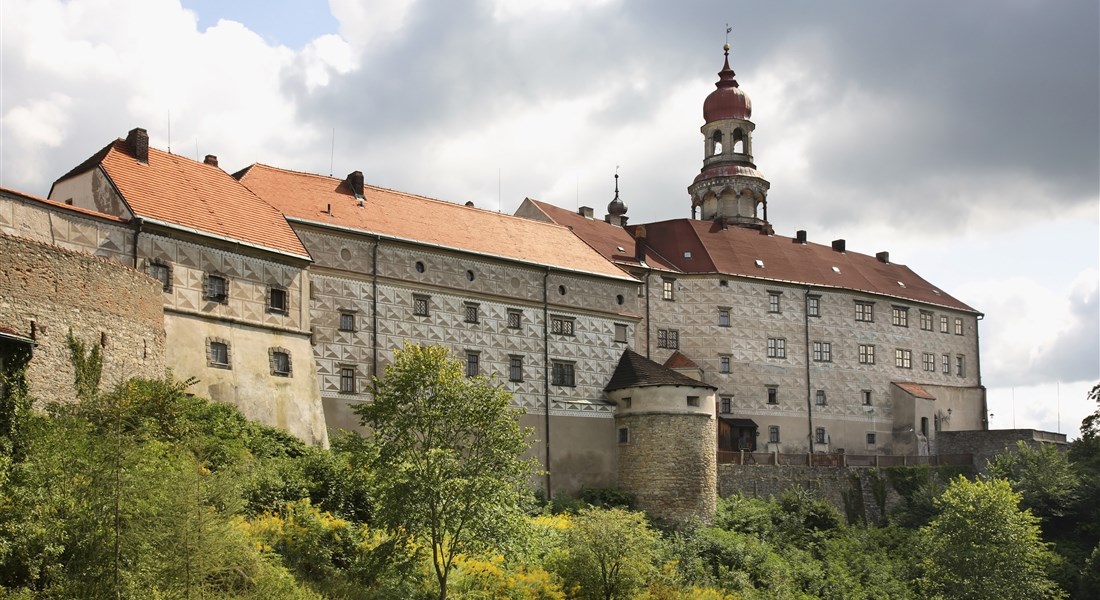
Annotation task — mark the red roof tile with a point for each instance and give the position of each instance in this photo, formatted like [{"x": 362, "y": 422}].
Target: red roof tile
[
  {"x": 329, "y": 201},
  {"x": 914, "y": 389},
  {"x": 635, "y": 370},
  {"x": 678, "y": 361},
  {"x": 181, "y": 192}
]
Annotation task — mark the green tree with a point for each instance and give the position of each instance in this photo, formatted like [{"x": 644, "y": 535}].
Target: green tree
[
  {"x": 606, "y": 554},
  {"x": 1090, "y": 425},
  {"x": 444, "y": 453},
  {"x": 87, "y": 366},
  {"x": 982, "y": 545},
  {"x": 1042, "y": 475}
]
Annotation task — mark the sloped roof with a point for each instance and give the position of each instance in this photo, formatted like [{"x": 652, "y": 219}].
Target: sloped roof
[
  {"x": 914, "y": 389},
  {"x": 679, "y": 361},
  {"x": 604, "y": 237},
  {"x": 329, "y": 201},
  {"x": 61, "y": 205},
  {"x": 180, "y": 192},
  {"x": 735, "y": 250},
  {"x": 635, "y": 370}
]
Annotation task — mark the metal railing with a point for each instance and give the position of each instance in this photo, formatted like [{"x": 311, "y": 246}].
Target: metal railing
[{"x": 841, "y": 459}]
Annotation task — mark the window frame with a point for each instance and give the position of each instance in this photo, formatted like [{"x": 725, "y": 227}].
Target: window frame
[
  {"x": 276, "y": 291},
  {"x": 621, "y": 333},
  {"x": 927, "y": 320},
  {"x": 154, "y": 268},
  {"x": 347, "y": 380},
  {"x": 945, "y": 364},
  {"x": 872, "y": 438},
  {"x": 865, "y": 311},
  {"x": 903, "y": 358},
  {"x": 471, "y": 312},
  {"x": 820, "y": 398},
  {"x": 724, "y": 364},
  {"x": 668, "y": 289},
  {"x": 560, "y": 325},
  {"x": 347, "y": 321},
  {"x": 813, "y": 306},
  {"x": 473, "y": 363},
  {"x": 515, "y": 318},
  {"x": 773, "y": 434},
  {"x": 777, "y": 348},
  {"x": 960, "y": 365},
  {"x": 899, "y": 316},
  {"x": 515, "y": 368},
  {"x": 215, "y": 288},
  {"x": 723, "y": 317},
  {"x": 865, "y": 398},
  {"x": 945, "y": 324},
  {"x": 276, "y": 367},
  {"x": 822, "y": 351},
  {"x": 866, "y": 354},
  {"x": 218, "y": 354},
  {"x": 421, "y": 305},
  {"x": 820, "y": 436},
  {"x": 774, "y": 305},
  {"x": 959, "y": 326},
  {"x": 668, "y": 338},
  {"x": 928, "y": 361},
  {"x": 773, "y": 394},
  {"x": 725, "y": 405},
  {"x": 563, "y": 373}
]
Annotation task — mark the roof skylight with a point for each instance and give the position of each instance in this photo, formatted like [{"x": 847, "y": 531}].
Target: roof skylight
[
  {"x": 836, "y": 270},
  {"x": 759, "y": 264}
]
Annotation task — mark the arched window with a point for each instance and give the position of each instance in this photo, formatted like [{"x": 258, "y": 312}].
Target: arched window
[
  {"x": 738, "y": 141},
  {"x": 924, "y": 426},
  {"x": 716, "y": 143}
]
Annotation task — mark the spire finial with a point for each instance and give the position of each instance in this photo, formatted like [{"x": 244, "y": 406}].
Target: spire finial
[
  {"x": 616, "y": 207},
  {"x": 726, "y": 46}
]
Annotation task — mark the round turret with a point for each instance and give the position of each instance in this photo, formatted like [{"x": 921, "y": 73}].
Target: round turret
[{"x": 729, "y": 101}]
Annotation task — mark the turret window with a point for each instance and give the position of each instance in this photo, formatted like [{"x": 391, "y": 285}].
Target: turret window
[
  {"x": 716, "y": 143},
  {"x": 738, "y": 141}
]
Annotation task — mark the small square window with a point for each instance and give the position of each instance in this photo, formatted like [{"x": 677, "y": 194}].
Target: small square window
[
  {"x": 726, "y": 404},
  {"x": 773, "y": 434},
  {"x": 280, "y": 363},
  {"x": 561, "y": 325},
  {"x": 620, "y": 333},
  {"x": 219, "y": 355},
  {"x": 871, "y": 438},
  {"x": 347, "y": 321},
  {"x": 420, "y": 305},
  {"x": 693, "y": 400},
  {"x": 813, "y": 306},
  {"x": 624, "y": 435},
  {"x": 515, "y": 318},
  {"x": 773, "y": 302},
  {"x": 773, "y": 395},
  {"x": 723, "y": 317},
  {"x": 161, "y": 273},
  {"x": 668, "y": 338},
  {"x": 216, "y": 289},
  {"x": 515, "y": 368},
  {"x": 900, "y": 316},
  {"x": 347, "y": 380},
  {"x": 668, "y": 289},
  {"x": 777, "y": 348},
  {"x": 903, "y": 359},
  {"x": 626, "y": 402},
  {"x": 562, "y": 373},
  {"x": 865, "y": 311},
  {"x": 472, "y": 312},
  {"x": 278, "y": 301},
  {"x": 865, "y": 395},
  {"x": 723, "y": 364},
  {"x": 819, "y": 398},
  {"x": 472, "y": 367},
  {"x": 823, "y": 351}
]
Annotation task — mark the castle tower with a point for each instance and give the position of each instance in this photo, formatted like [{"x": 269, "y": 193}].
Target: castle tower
[
  {"x": 667, "y": 439},
  {"x": 729, "y": 189}
]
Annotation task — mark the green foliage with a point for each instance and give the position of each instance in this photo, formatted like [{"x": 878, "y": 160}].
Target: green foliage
[
  {"x": 982, "y": 545},
  {"x": 854, "y": 510},
  {"x": 1090, "y": 425},
  {"x": 606, "y": 554},
  {"x": 606, "y": 497},
  {"x": 444, "y": 454},
  {"x": 1043, "y": 477},
  {"x": 87, "y": 366},
  {"x": 919, "y": 487}
]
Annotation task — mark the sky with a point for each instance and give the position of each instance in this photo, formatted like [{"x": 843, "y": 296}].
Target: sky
[{"x": 962, "y": 137}]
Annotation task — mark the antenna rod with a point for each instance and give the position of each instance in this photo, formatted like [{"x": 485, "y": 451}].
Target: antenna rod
[
  {"x": 332, "y": 152},
  {"x": 169, "y": 131}
]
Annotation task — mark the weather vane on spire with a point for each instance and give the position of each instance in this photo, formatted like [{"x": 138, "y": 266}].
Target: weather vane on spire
[{"x": 728, "y": 30}]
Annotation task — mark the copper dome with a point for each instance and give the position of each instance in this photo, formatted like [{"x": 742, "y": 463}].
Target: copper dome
[{"x": 728, "y": 101}]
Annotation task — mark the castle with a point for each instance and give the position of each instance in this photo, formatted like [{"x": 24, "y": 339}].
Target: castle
[{"x": 637, "y": 351}]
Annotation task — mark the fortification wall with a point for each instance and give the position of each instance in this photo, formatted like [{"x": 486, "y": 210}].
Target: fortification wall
[
  {"x": 984, "y": 445},
  {"x": 46, "y": 290}
]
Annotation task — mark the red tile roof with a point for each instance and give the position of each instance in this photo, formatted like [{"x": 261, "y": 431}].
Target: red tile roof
[
  {"x": 635, "y": 370},
  {"x": 677, "y": 360},
  {"x": 604, "y": 237},
  {"x": 914, "y": 389},
  {"x": 62, "y": 205},
  {"x": 329, "y": 201},
  {"x": 181, "y": 192}
]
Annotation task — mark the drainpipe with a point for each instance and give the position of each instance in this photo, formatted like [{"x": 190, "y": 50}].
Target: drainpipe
[
  {"x": 546, "y": 372},
  {"x": 137, "y": 232},
  {"x": 374, "y": 308},
  {"x": 978, "y": 372},
  {"x": 648, "y": 324},
  {"x": 809, "y": 398}
]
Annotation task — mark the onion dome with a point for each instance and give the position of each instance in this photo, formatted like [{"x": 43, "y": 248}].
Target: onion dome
[
  {"x": 616, "y": 207},
  {"x": 728, "y": 101}
]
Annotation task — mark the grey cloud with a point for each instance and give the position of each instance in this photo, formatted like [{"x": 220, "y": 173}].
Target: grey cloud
[{"x": 1075, "y": 354}]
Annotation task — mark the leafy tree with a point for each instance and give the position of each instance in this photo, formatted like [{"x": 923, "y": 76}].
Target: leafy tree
[
  {"x": 606, "y": 554},
  {"x": 982, "y": 545},
  {"x": 444, "y": 452},
  {"x": 1090, "y": 425},
  {"x": 1042, "y": 475},
  {"x": 87, "y": 366}
]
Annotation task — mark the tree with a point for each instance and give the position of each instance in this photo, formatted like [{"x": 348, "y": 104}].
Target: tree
[
  {"x": 607, "y": 554},
  {"x": 1090, "y": 425},
  {"x": 982, "y": 545},
  {"x": 1042, "y": 475},
  {"x": 444, "y": 454}
]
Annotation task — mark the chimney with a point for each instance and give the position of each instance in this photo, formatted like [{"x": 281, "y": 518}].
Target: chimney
[
  {"x": 800, "y": 236},
  {"x": 355, "y": 182},
  {"x": 138, "y": 141},
  {"x": 639, "y": 243},
  {"x": 585, "y": 211},
  {"x": 883, "y": 257},
  {"x": 469, "y": 204},
  {"x": 838, "y": 245},
  {"x": 211, "y": 160}
]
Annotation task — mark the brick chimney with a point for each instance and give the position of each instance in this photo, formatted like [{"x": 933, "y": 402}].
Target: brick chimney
[
  {"x": 585, "y": 211},
  {"x": 883, "y": 257},
  {"x": 355, "y": 182},
  {"x": 800, "y": 236},
  {"x": 838, "y": 245},
  {"x": 138, "y": 141},
  {"x": 639, "y": 243},
  {"x": 211, "y": 160}
]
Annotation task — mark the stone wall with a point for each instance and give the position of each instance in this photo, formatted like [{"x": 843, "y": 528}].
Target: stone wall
[
  {"x": 984, "y": 445},
  {"x": 48, "y": 291}
]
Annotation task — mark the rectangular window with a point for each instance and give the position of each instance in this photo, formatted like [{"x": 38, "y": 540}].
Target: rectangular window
[
  {"x": 865, "y": 395},
  {"x": 624, "y": 435},
  {"x": 561, "y": 373},
  {"x": 347, "y": 321},
  {"x": 420, "y": 305},
  {"x": 561, "y": 325},
  {"x": 865, "y": 311},
  {"x": 819, "y": 398},
  {"x": 515, "y": 368},
  {"x": 723, "y": 364},
  {"x": 668, "y": 338},
  {"x": 280, "y": 364},
  {"x": 820, "y": 436},
  {"x": 823, "y": 351},
  {"x": 668, "y": 289},
  {"x": 693, "y": 400},
  {"x": 626, "y": 402},
  {"x": 723, "y": 317},
  {"x": 620, "y": 333},
  {"x": 773, "y": 302},
  {"x": 925, "y": 320},
  {"x": 471, "y": 312},
  {"x": 960, "y": 365},
  {"x": 472, "y": 359},
  {"x": 515, "y": 317},
  {"x": 871, "y": 438},
  {"x": 903, "y": 358},
  {"x": 278, "y": 300},
  {"x": 945, "y": 364},
  {"x": 219, "y": 355},
  {"x": 866, "y": 354},
  {"x": 777, "y": 348},
  {"x": 216, "y": 289},
  {"x": 928, "y": 361},
  {"x": 773, "y": 434},
  {"x": 347, "y": 380},
  {"x": 900, "y": 316},
  {"x": 773, "y": 395},
  {"x": 161, "y": 273},
  {"x": 958, "y": 326},
  {"x": 944, "y": 327},
  {"x": 813, "y": 306},
  {"x": 726, "y": 404}
]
